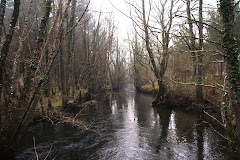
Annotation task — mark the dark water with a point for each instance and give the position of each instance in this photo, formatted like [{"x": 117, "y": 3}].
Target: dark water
[{"x": 127, "y": 128}]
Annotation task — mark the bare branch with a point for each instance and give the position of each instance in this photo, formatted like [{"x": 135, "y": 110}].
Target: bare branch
[
  {"x": 202, "y": 23},
  {"x": 35, "y": 149},
  {"x": 236, "y": 4},
  {"x": 204, "y": 85}
]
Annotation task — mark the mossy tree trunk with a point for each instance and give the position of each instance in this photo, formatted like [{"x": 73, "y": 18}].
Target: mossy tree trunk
[
  {"x": 2, "y": 13},
  {"x": 6, "y": 44},
  {"x": 41, "y": 36},
  {"x": 25, "y": 99},
  {"x": 5, "y": 50},
  {"x": 62, "y": 71},
  {"x": 34, "y": 93},
  {"x": 4, "y": 54},
  {"x": 229, "y": 45},
  {"x": 70, "y": 49}
]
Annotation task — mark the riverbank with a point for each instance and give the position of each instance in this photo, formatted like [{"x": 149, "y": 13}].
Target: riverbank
[{"x": 183, "y": 96}]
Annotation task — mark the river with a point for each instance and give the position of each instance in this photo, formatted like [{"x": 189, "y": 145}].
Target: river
[{"x": 128, "y": 128}]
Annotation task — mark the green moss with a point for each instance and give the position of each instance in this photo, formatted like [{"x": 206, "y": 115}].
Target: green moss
[
  {"x": 83, "y": 92},
  {"x": 156, "y": 100},
  {"x": 108, "y": 87},
  {"x": 92, "y": 102},
  {"x": 56, "y": 103}
]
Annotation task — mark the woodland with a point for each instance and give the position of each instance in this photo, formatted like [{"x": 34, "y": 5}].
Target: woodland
[{"x": 55, "y": 54}]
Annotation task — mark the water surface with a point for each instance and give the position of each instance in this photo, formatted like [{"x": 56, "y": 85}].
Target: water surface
[{"x": 126, "y": 128}]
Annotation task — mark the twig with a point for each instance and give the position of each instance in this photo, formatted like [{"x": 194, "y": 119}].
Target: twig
[
  {"x": 213, "y": 118},
  {"x": 79, "y": 20},
  {"x": 204, "y": 85},
  {"x": 48, "y": 153},
  {"x": 211, "y": 127},
  {"x": 196, "y": 21},
  {"x": 196, "y": 125},
  {"x": 35, "y": 150},
  {"x": 78, "y": 113},
  {"x": 217, "y": 131}
]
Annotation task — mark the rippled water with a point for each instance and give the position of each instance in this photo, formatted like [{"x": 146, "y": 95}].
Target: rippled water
[{"x": 128, "y": 128}]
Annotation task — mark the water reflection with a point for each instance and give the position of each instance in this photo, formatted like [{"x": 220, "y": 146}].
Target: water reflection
[
  {"x": 200, "y": 142},
  {"x": 144, "y": 132},
  {"x": 132, "y": 129}
]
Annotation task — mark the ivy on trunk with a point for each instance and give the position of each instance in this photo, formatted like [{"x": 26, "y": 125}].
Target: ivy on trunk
[{"x": 229, "y": 45}]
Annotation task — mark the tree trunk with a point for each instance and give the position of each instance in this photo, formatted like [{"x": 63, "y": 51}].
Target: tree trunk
[
  {"x": 199, "y": 88},
  {"x": 3, "y": 56},
  {"x": 2, "y": 13},
  {"x": 25, "y": 100},
  {"x": 70, "y": 49},
  {"x": 191, "y": 35},
  {"x": 197, "y": 59},
  {"x": 62, "y": 71},
  {"x": 160, "y": 97},
  {"x": 232, "y": 65},
  {"x": 41, "y": 36},
  {"x": 159, "y": 73},
  {"x": 47, "y": 85},
  {"x": 147, "y": 41},
  {"x": 151, "y": 56},
  {"x": 8, "y": 39}
]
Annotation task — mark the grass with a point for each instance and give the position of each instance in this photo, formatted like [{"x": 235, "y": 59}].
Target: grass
[
  {"x": 90, "y": 102},
  {"x": 56, "y": 99},
  {"x": 149, "y": 88},
  {"x": 57, "y": 102}
]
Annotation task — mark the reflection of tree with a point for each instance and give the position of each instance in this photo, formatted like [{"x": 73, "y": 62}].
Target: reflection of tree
[
  {"x": 144, "y": 113},
  {"x": 200, "y": 142},
  {"x": 164, "y": 114},
  {"x": 121, "y": 100},
  {"x": 184, "y": 123}
]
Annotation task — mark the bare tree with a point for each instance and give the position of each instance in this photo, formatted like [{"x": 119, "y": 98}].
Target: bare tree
[{"x": 165, "y": 39}]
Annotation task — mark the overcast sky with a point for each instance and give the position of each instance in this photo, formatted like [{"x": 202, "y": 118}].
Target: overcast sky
[{"x": 124, "y": 24}]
